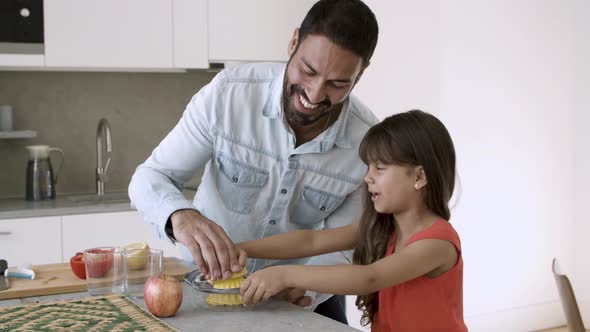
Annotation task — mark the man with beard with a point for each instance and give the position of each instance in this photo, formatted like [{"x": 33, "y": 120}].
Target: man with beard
[{"x": 279, "y": 149}]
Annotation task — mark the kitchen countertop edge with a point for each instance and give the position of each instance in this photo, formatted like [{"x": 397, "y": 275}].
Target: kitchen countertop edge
[
  {"x": 35, "y": 212},
  {"x": 14, "y": 208}
]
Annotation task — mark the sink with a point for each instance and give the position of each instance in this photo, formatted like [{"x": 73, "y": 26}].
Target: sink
[{"x": 108, "y": 197}]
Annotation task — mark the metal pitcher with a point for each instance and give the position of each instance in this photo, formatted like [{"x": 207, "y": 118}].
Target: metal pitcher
[{"x": 41, "y": 179}]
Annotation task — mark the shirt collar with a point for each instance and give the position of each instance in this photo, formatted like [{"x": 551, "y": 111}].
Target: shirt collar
[
  {"x": 273, "y": 107},
  {"x": 343, "y": 137}
]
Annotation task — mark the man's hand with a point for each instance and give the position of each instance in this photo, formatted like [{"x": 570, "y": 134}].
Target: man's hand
[
  {"x": 242, "y": 256},
  {"x": 295, "y": 296},
  {"x": 213, "y": 251}
]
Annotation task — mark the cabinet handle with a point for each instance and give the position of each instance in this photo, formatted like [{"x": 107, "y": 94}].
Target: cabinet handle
[{"x": 5, "y": 233}]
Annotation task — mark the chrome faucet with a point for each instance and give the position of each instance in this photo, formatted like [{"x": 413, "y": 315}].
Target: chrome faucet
[{"x": 101, "y": 173}]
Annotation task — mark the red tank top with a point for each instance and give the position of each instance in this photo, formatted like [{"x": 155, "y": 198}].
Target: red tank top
[{"x": 425, "y": 304}]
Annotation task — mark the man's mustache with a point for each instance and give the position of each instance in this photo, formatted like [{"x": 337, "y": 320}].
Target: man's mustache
[{"x": 301, "y": 91}]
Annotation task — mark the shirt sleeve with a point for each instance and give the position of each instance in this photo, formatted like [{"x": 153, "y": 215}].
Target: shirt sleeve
[
  {"x": 347, "y": 213},
  {"x": 156, "y": 186}
]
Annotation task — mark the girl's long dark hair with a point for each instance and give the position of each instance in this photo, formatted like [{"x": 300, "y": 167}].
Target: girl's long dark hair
[{"x": 407, "y": 139}]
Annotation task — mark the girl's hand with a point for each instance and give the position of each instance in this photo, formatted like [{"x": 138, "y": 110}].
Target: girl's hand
[{"x": 263, "y": 284}]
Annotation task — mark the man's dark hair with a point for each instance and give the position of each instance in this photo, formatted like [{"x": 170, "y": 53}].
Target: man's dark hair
[{"x": 349, "y": 24}]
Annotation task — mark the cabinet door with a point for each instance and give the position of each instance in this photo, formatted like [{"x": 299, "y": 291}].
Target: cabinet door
[
  {"x": 109, "y": 229},
  {"x": 22, "y": 60},
  {"x": 190, "y": 34},
  {"x": 253, "y": 30},
  {"x": 108, "y": 33},
  {"x": 31, "y": 240}
]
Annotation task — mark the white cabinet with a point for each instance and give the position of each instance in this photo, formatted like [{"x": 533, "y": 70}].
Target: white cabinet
[
  {"x": 46, "y": 240},
  {"x": 22, "y": 60},
  {"x": 108, "y": 33},
  {"x": 148, "y": 35},
  {"x": 190, "y": 33},
  {"x": 253, "y": 30},
  {"x": 109, "y": 229},
  {"x": 32, "y": 240}
]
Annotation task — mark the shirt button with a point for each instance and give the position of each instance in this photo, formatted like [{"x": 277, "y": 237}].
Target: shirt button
[
  {"x": 283, "y": 191},
  {"x": 235, "y": 180},
  {"x": 323, "y": 208},
  {"x": 272, "y": 222}
]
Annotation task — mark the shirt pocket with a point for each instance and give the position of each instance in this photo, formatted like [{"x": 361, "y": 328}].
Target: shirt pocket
[
  {"x": 314, "y": 205},
  {"x": 239, "y": 184}
]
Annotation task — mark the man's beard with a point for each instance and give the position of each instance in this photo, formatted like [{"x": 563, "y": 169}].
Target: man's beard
[{"x": 298, "y": 118}]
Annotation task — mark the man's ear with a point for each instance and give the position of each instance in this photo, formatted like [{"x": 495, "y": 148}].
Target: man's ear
[{"x": 293, "y": 42}]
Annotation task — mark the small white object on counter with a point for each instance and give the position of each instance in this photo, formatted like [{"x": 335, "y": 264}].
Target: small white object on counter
[{"x": 22, "y": 271}]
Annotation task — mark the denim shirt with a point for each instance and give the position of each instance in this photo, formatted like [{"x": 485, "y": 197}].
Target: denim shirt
[{"x": 256, "y": 182}]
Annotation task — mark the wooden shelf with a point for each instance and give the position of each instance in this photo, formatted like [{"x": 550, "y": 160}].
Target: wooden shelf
[{"x": 16, "y": 134}]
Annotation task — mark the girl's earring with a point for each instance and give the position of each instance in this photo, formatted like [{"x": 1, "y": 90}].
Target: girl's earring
[{"x": 416, "y": 186}]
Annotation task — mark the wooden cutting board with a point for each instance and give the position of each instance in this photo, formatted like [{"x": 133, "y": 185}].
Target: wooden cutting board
[{"x": 59, "y": 278}]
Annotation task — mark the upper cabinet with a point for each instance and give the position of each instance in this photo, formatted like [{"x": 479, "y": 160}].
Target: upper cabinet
[
  {"x": 140, "y": 34},
  {"x": 157, "y": 35},
  {"x": 253, "y": 30},
  {"x": 108, "y": 33},
  {"x": 190, "y": 33}
]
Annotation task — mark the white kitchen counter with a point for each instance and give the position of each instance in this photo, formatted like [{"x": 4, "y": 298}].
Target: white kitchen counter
[{"x": 11, "y": 208}]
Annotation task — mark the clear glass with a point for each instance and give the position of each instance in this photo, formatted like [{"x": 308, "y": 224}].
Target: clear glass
[
  {"x": 106, "y": 272},
  {"x": 142, "y": 264}
]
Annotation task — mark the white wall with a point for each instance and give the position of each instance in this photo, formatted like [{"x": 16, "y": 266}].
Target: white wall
[
  {"x": 580, "y": 280},
  {"x": 405, "y": 68},
  {"x": 404, "y": 71},
  {"x": 506, "y": 95},
  {"x": 500, "y": 75}
]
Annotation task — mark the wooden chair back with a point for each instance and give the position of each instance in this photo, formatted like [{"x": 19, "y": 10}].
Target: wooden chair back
[{"x": 568, "y": 300}]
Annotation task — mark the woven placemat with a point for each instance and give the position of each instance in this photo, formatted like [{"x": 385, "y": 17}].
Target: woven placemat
[{"x": 105, "y": 313}]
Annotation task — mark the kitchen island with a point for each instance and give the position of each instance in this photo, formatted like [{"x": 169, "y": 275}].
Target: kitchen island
[{"x": 195, "y": 315}]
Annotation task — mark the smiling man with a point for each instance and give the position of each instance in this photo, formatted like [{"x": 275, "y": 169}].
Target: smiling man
[{"x": 279, "y": 148}]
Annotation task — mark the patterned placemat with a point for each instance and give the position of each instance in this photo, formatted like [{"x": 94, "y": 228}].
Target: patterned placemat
[{"x": 105, "y": 313}]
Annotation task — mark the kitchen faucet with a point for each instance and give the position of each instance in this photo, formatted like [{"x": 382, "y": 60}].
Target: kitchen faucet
[{"x": 101, "y": 173}]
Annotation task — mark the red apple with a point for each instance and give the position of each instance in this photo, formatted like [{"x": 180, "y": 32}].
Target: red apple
[{"x": 162, "y": 295}]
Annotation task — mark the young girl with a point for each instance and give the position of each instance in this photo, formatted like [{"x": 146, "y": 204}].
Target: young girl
[{"x": 407, "y": 271}]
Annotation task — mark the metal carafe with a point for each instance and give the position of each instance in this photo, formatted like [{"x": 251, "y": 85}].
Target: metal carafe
[{"x": 41, "y": 179}]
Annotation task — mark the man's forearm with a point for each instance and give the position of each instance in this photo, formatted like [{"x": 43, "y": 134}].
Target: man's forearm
[{"x": 156, "y": 197}]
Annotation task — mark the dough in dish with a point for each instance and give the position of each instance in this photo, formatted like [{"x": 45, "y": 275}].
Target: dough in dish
[
  {"x": 227, "y": 299},
  {"x": 224, "y": 299}
]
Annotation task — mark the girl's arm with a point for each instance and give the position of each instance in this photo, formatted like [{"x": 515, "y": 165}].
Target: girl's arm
[
  {"x": 415, "y": 260},
  {"x": 299, "y": 244}
]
